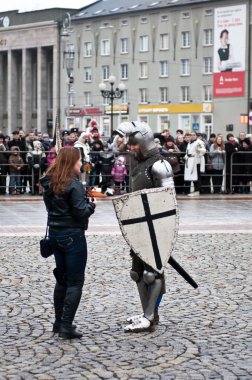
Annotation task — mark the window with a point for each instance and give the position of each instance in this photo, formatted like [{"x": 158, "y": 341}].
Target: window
[
  {"x": 143, "y": 119},
  {"x": 164, "y": 95},
  {"x": 144, "y": 43},
  {"x": 164, "y": 122},
  {"x": 87, "y": 98},
  {"x": 125, "y": 97},
  {"x": 164, "y": 68},
  {"x": 185, "y": 43},
  {"x": 124, "y": 71},
  {"x": 185, "y": 67},
  {"x": 208, "y": 37},
  {"x": 207, "y": 93},
  {"x": 208, "y": 65},
  {"x": 105, "y": 47},
  {"x": 105, "y": 101},
  {"x": 164, "y": 18},
  {"x": 164, "y": 41},
  {"x": 143, "y": 95},
  {"x": 87, "y": 74},
  {"x": 143, "y": 70},
  {"x": 208, "y": 12},
  {"x": 185, "y": 94},
  {"x": 124, "y": 45},
  {"x": 87, "y": 49},
  {"x": 124, "y": 23},
  {"x": 186, "y": 14},
  {"x": 105, "y": 72},
  {"x": 144, "y": 20}
]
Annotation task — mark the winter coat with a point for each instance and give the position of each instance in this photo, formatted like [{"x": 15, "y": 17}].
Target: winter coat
[
  {"x": 218, "y": 158},
  {"x": 36, "y": 160},
  {"x": 194, "y": 155},
  {"x": 51, "y": 156},
  {"x": 230, "y": 152},
  {"x": 15, "y": 161},
  {"x": 106, "y": 161},
  {"x": 84, "y": 149},
  {"x": 118, "y": 173},
  {"x": 69, "y": 210},
  {"x": 3, "y": 160},
  {"x": 245, "y": 164}
]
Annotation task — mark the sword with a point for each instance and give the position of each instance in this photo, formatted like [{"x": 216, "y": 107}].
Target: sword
[{"x": 182, "y": 272}]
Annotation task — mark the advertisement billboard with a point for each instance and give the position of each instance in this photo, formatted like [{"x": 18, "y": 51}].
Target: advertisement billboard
[{"x": 229, "y": 51}]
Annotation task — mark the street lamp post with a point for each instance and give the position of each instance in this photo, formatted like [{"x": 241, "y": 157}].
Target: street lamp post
[
  {"x": 69, "y": 59},
  {"x": 112, "y": 93}
]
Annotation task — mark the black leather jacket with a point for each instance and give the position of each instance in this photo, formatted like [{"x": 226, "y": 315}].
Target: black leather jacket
[{"x": 69, "y": 210}]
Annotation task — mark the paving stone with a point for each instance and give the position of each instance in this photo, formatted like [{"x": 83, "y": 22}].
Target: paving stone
[{"x": 203, "y": 333}]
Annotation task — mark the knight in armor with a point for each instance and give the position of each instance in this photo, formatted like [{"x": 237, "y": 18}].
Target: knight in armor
[{"x": 151, "y": 170}]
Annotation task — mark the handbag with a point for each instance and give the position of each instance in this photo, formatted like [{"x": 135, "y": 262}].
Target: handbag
[{"x": 45, "y": 245}]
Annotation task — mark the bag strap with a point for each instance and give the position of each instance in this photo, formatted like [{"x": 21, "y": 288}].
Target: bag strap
[{"x": 46, "y": 230}]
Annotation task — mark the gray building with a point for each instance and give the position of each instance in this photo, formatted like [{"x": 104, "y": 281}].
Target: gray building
[
  {"x": 166, "y": 53},
  {"x": 29, "y": 69}
]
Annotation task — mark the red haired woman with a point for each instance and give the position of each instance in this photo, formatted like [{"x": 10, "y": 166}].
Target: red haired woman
[{"x": 68, "y": 213}]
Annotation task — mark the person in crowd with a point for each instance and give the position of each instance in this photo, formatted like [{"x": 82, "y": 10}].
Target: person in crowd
[
  {"x": 119, "y": 144},
  {"x": 50, "y": 158},
  {"x": 39, "y": 136},
  {"x": 96, "y": 148},
  {"x": 172, "y": 153},
  {"x": 205, "y": 187},
  {"x": 194, "y": 163},
  {"x": 3, "y": 165},
  {"x": 111, "y": 139},
  {"x": 84, "y": 148},
  {"x": 217, "y": 154},
  {"x": 36, "y": 160},
  {"x": 93, "y": 129},
  {"x": 6, "y": 142},
  {"x": 95, "y": 136},
  {"x": 46, "y": 142},
  {"x": 16, "y": 164},
  {"x": 162, "y": 136},
  {"x": 119, "y": 173},
  {"x": 232, "y": 163},
  {"x": 65, "y": 137},
  {"x": 19, "y": 140},
  {"x": 30, "y": 140},
  {"x": 211, "y": 141},
  {"x": 181, "y": 142},
  {"x": 158, "y": 145},
  {"x": 241, "y": 138},
  {"x": 245, "y": 166},
  {"x": 179, "y": 132},
  {"x": 106, "y": 161},
  {"x": 68, "y": 210}
]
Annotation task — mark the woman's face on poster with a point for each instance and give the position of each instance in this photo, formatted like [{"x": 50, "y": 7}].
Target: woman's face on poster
[{"x": 224, "y": 39}]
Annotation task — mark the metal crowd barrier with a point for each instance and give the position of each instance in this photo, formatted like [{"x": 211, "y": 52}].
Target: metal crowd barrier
[
  {"x": 230, "y": 175},
  {"x": 240, "y": 171}
]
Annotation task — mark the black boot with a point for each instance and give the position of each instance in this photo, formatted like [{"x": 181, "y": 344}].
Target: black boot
[
  {"x": 71, "y": 303},
  {"x": 58, "y": 298}
]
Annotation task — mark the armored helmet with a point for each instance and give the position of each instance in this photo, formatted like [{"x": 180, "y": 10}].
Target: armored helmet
[{"x": 138, "y": 133}]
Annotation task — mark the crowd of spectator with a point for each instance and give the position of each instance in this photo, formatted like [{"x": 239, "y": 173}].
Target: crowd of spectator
[{"x": 200, "y": 165}]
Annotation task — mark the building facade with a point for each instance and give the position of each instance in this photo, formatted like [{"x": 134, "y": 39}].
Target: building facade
[
  {"x": 164, "y": 52},
  {"x": 29, "y": 69}
]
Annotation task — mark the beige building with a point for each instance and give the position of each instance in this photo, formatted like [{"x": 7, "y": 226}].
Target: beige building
[
  {"x": 164, "y": 53},
  {"x": 29, "y": 69}
]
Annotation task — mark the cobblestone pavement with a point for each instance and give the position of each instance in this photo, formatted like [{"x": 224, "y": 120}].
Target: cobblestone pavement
[{"x": 203, "y": 334}]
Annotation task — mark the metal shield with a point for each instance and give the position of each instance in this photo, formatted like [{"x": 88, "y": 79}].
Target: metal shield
[{"x": 148, "y": 220}]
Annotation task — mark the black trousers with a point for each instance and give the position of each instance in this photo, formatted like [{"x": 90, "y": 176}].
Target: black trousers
[{"x": 217, "y": 179}]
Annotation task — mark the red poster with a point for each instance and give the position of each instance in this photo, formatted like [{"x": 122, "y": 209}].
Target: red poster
[
  {"x": 229, "y": 51},
  {"x": 229, "y": 84}
]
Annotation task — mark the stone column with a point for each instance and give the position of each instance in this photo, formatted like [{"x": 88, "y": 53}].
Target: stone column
[
  {"x": 1, "y": 90},
  {"x": 12, "y": 92},
  {"x": 42, "y": 89},
  {"x": 56, "y": 83},
  {"x": 26, "y": 89}
]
